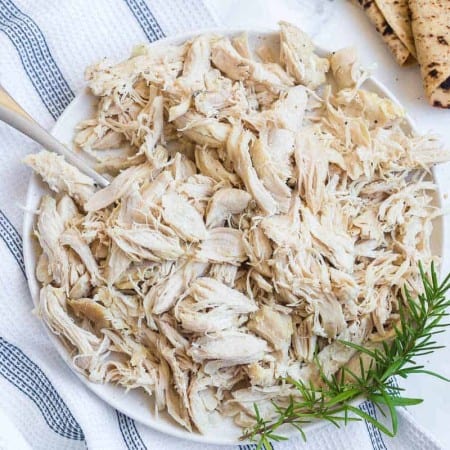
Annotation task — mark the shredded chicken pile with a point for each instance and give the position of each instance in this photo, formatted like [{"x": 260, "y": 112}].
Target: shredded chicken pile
[{"x": 260, "y": 209}]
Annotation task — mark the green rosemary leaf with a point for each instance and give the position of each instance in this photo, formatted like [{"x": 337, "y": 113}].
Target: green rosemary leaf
[
  {"x": 360, "y": 348},
  {"x": 429, "y": 372},
  {"x": 396, "y": 401},
  {"x": 343, "y": 396},
  {"x": 370, "y": 419}
]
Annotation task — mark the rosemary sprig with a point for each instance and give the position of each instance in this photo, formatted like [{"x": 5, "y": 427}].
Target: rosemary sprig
[{"x": 331, "y": 400}]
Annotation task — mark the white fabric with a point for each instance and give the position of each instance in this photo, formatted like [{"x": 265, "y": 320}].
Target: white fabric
[{"x": 44, "y": 402}]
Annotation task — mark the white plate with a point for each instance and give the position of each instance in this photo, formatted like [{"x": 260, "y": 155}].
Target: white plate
[{"x": 136, "y": 404}]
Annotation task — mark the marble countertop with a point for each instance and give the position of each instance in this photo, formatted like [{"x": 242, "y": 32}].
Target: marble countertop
[{"x": 334, "y": 24}]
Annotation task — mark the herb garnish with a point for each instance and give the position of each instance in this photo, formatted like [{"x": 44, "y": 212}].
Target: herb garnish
[{"x": 420, "y": 320}]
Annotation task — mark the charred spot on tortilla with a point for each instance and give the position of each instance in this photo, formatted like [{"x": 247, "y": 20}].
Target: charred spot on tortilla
[
  {"x": 433, "y": 73},
  {"x": 440, "y": 105},
  {"x": 441, "y": 40},
  {"x": 445, "y": 84},
  {"x": 365, "y": 4},
  {"x": 387, "y": 29}
]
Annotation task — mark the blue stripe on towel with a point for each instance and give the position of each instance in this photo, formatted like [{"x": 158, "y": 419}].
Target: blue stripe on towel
[
  {"x": 12, "y": 240},
  {"x": 146, "y": 19},
  {"x": 25, "y": 375},
  {"x": 36, "y": 58},
  {"x": 251, "y": 447},
  {"x": 130, "y": 435},
  {"x": 374, "y": 433}
]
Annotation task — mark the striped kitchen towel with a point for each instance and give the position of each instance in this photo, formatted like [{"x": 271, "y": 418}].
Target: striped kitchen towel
[{"x": 44, "y": 47}]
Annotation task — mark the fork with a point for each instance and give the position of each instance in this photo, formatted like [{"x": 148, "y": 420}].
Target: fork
[{"x": 15, "y": 116}]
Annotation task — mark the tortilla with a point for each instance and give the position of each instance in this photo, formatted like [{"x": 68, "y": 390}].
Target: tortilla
[
  {"x": 397, "y": 15},
  {"x": 398, "y": 49},
  {"x": 430, "y": 25}
]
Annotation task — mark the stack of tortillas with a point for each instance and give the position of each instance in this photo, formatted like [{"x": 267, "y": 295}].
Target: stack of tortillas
[{"x": 417, "y": 29}]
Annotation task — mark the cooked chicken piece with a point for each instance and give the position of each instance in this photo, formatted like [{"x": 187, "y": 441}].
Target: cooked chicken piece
[
  {"x": 182, "y": 168},
  {"x": 52, "y": 309},
  {"x": 259, "y": 249},
  {"x": 377, "y": 110},
  {"x": 151, "y": 123},
  {"x": 117, "y": 263},
  {"x": 299, "y": 274},
  {"x": 114, "y": 165},
  {"x": 335, "y": 355},
  {"x": 209, "y": 164},
  {"x": 61, "y": 176},
  {"x": 283, "y": 229},
  {"x": 81, "y": 287},
  {"x": 176, "y": 409},
  {"x": 280, "y": 146},
  {"x": 224, "y": 272},
  {"x": 118, "y": 187},
  {"x": 304, "y": 340},
  {"x": 328, "y": 317},
  {"x": 274, "y": 327},
  {"x": 266, "y": 53},
  {"x": 208, "y": 293},
  {"x": 95, "y": 137},
  {"x": 217, "y": 319},
  {"x": 223, "y": 204},
  {"x": 240, "y": 43},
  {"x": 198, "y": 187},
  {"x": 202, "y": 403},
  {"x": 180, "y": 376},
  {"x": 50, "y": 226},
  {"x": 272, "y": 179},
  {"x": 67, "y": 209},
  {"x": 164, "y": 294},
  {"x": 225, "y": 57},
  {"x": 312, "y": 168},
  {"x": 74, "y": 240},
  {"x": 90, "y": 309},
  {"x": 202, "y": 130},
  {"x": 218, "y": 95},
  {"x": 264, "y": 397},
  {"x": 196, "y": 63},
  {"x": 156, "y": 64},
  {"x": 332, "y": 241},
  {"x": 154, "y": 190},
  {"x": 297, "y": 54},
  {"x": 230, "y": 348},
  {"x": 287, "y": 112},
  {"x": 179, "y": 214},
  {"x": 166, "y": 325},
  {"x": 346, "y": 290},
  {"x": 43, "y": 272},
  {"x": 222, "y": 245},
  {"x": 260, "y": 375},
  {"x": 345, "y": 67},
  {"x": 143, "y": 243},
  {"x": 238, "y": 151}
]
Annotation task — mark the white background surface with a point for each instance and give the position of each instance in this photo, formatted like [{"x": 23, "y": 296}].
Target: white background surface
[{"x": 334, "y": 24}]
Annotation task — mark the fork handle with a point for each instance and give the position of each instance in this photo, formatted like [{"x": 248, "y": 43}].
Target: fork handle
[
  {"x": 6, "y": 101},
  {"x": 15, "y": 116}
]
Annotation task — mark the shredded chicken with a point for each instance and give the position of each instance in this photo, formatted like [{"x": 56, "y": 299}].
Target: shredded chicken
[{"x": 253, "y": 221}]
